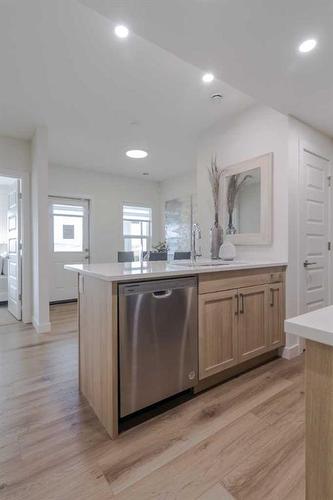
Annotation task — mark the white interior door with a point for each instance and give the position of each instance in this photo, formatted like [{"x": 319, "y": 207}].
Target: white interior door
[
  {"x": 14, "y": 250},
  {"x": 314, "y": 231},
  {"x": 69, "y": 244}
]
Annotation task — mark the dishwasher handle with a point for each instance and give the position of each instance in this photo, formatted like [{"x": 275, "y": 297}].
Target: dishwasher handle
[{"x": 162, "y": 294}]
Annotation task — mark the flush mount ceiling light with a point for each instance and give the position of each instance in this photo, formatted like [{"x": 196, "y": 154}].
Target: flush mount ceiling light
[
  {"x": 208, "y": 77},
  {"x": 136, "y": 153},
  {"x": 307, "y": 45},
  {"x": 121, "y": 31}
]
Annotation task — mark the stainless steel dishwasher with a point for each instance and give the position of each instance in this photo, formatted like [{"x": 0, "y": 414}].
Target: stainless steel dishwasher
[{"x": 158, "y": 346}]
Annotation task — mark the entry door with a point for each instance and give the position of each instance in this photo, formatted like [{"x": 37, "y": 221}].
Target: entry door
[
  {"x": 14, "y": 250},
  {"x": 69, "y": 244},
  {"x": 314, "y": 232}
]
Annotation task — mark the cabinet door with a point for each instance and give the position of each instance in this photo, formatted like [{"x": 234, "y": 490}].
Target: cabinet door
[
  {"x": 217, "y": 332},
  {"x": 252, "y": 323},
  {"x": 276, "y": 314}
]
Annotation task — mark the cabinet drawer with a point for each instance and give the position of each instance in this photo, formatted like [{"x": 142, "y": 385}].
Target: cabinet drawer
[{"x": 228, "y": 280}]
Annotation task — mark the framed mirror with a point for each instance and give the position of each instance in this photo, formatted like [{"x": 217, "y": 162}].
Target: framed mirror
[{"x": 247, "y": 201}]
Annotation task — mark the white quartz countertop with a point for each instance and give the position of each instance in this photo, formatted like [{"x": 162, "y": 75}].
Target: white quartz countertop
[
  {"x": 143, "y": 270},
  {"x": 315, "y": 325}
]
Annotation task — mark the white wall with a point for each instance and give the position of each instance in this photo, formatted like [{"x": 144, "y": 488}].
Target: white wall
[
  {"x": 178, "y": 187},
  {"x": 14, "y": 156},
  {"x": 107, "y": 193},
  {"x": 299, "y": 133},
  {"x": 40, "y": 243},
  {"x": 254, "y": 132}
]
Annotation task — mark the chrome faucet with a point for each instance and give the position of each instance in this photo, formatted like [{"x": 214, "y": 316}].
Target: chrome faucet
[{"x": 196, "y": 233}]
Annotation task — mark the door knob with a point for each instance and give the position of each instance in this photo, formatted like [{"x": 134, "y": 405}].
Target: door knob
[{"x": 306, "y": 263}]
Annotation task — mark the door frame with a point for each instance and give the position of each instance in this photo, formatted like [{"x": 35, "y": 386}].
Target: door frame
[
  {"x": 323, "y": 153},
  {"x": 26, "y": 286}
]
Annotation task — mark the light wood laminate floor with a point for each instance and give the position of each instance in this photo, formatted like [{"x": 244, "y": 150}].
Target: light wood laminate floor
[{"x": 243, "y": 439}]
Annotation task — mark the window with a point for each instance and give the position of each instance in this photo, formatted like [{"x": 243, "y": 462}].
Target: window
[
  {"x": 67, "y": 228},
  {"x": 136, "y": 229}
]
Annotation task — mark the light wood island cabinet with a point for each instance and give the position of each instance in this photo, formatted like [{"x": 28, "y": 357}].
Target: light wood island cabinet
[
  {"x": 238, "y": 323},
  {"x": 316, "y": 327}
]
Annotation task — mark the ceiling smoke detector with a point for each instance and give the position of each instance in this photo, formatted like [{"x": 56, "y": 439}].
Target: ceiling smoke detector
[{"x": 217, "y": 97}]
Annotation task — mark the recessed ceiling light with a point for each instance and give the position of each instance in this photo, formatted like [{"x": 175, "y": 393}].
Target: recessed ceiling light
[
  {"x": 121, "y": 31},
  {"x": 307, "y": 45},
  {"x": 136, "y": 153},
  {"x": 208, "y": 77}
]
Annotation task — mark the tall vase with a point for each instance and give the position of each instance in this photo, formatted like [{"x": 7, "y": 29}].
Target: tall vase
[
  {"x": 231, "y": 228},
  {"x": 216, "y": 239}
]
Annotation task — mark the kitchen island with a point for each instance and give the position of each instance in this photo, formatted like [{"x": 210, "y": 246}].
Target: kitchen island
[
  {"x": 317, "y": 328},
  {"x": 240, "y": 312}
]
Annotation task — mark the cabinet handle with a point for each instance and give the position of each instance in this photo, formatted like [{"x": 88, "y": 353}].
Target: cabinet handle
[
  {"x": 237, "y": 304},
  {"x": 242, "y": 303},
  {"x": 272, "y": 297}
]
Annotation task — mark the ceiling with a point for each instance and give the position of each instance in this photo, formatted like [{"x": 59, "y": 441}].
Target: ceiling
[
  {"x": 252, "y": 45},
  {"x": 62, "y": 66}
]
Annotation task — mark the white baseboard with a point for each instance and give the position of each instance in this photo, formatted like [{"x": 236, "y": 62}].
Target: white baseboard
[
  {"x": 41, "y": 327},
  {"x": 291, "y": 352}
]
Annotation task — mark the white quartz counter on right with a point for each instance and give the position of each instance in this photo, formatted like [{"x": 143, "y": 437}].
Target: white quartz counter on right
[{"x": 315, "y": 325}]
